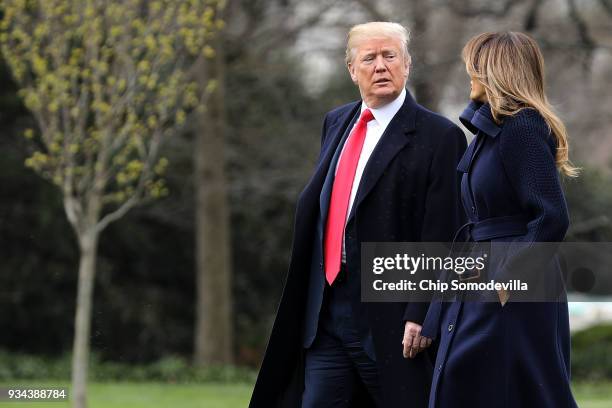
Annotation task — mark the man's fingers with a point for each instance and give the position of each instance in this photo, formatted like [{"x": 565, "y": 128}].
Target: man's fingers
[
  {"x": 412, "y": 340},
  {"x": 414, "y": 346},
  {"x": 424, "y": 343},
  {"x": 407, "y": 345}
]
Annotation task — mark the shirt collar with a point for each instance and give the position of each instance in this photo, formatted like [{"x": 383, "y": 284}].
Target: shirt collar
[
  {"x": 478, "y": 117},
  {"x": 384, "y": 114}
]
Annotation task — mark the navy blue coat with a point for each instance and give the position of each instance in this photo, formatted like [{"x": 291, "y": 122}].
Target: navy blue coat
[
  {"x": 516, "y": 355},
  {"x": 409, "y": 192}
]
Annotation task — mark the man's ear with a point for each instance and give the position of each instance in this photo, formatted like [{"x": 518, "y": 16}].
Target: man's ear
[
  {"x": 351, "y": 70},
  {"x": 408, "y": 64}
]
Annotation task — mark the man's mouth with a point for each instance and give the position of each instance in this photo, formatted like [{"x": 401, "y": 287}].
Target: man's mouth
[{"x": 381, "y": 81}]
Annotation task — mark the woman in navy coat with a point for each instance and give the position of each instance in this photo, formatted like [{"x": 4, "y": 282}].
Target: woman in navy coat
[{"x": 504, "y": 353}]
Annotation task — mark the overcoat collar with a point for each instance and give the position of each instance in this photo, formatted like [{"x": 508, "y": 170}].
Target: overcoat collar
[
  {"x": 477, "y": 116},
  {"x": 335, "y": 132},
  {"x": 395, "y": 137},
  {"x": 343, "y": 130}
]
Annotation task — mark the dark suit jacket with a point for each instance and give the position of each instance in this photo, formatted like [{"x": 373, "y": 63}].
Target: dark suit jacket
[{"x": 409, "y": 192}]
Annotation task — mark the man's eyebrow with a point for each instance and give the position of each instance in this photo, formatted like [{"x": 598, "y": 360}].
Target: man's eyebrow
[{"x": 370, "y": 52}]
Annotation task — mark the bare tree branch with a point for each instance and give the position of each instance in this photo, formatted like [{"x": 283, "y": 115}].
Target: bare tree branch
[
  {"x": 274, "y": 36},
  {"x": 586, "y": 42},
  {"x": 371, "y": 8},
  {"x": 531, "y": 19},
  {"x": 581, "y": 26},
  {"x": 607, "y": 5},
  {"x": 118, "y": 213},
  {"x": 464, "y": 9}
]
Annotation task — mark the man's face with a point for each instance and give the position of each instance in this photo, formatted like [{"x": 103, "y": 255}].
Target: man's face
[{"x": 380, "y": 69}]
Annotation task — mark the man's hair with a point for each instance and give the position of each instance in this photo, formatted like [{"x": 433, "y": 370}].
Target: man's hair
[{"x": 376, "y": 29}]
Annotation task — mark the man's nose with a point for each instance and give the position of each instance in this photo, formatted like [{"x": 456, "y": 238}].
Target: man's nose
[{"x": 379, "y": 65}]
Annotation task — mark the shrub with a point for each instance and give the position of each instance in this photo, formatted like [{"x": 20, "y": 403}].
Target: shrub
[
  {"x": 173, "y": 369},
  {"x": 592, "y": 353}
]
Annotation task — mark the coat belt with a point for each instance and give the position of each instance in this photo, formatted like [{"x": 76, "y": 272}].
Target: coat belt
[
  {"x": 495, "y": 227},
  {"x": 487, "y": 229}
]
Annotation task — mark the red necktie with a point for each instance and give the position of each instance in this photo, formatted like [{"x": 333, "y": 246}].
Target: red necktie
[{"x": 341, "y": 194}]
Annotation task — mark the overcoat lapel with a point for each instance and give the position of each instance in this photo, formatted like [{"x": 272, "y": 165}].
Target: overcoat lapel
[
  {"x": 468, "y": 157},
  {"x": 334, "y": 133},
  {"x": 326, "y": 190},
  {"x": 395, "y": 138}
]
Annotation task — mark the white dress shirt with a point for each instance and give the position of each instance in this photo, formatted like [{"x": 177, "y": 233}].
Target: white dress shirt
[{"x": 375, "y": 130}]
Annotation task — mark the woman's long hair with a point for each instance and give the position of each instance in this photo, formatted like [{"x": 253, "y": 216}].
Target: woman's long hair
[{"x": 510, "y": 66}]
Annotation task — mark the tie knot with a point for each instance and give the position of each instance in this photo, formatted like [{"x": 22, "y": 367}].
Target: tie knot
[{"x": 366, "y": 116}]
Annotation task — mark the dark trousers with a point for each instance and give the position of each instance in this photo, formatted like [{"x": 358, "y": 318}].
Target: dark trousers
[{"x": 336, "y": 364}]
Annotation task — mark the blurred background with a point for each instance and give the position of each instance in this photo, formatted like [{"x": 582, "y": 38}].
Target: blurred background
[{"x": 186, "y": 284}]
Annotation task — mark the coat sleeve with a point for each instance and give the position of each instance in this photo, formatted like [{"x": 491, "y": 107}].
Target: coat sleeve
[
  {"x": 443, "y": 211},
  {"x": 527, "y": 152},
  {"x": 527, "y": 155}
]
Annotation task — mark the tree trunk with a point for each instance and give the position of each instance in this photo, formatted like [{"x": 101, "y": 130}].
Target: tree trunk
[
  {"x": 82, "y": 322},
  {"x": 213, "y": 332},
  {"x": 436, "y": 52},
  {"x": 426, "y": 91}
]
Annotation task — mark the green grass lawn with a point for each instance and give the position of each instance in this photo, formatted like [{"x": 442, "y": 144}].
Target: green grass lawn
[
  {"x": 156, "y": 395},
  {"x": 593, "y": 395}
]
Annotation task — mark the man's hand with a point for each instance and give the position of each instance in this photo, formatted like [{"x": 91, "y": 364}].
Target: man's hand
[
  {"x": 413, "y": 341},
  {"x": 503, "y": 295}
]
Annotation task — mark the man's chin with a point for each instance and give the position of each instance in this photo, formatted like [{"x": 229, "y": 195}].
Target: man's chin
[{"x": 383, "y": 98}]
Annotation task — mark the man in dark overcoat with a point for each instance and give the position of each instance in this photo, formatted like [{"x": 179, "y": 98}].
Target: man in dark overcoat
[{"x": 386, "y": 172}]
